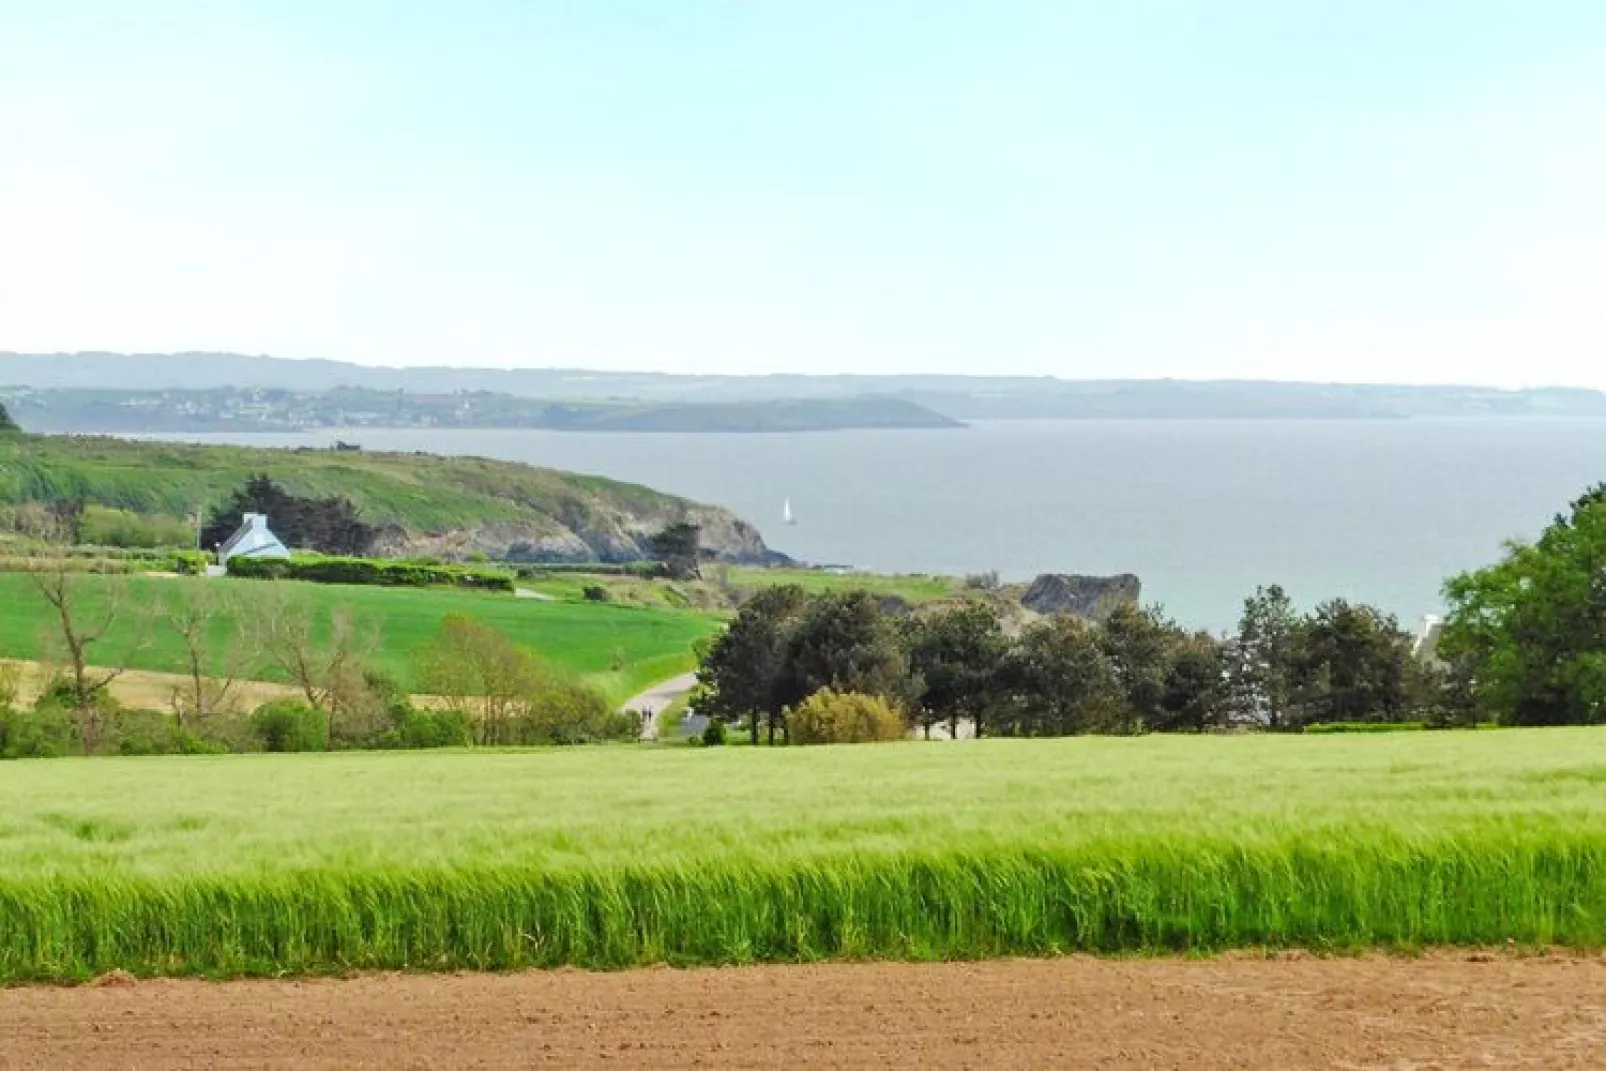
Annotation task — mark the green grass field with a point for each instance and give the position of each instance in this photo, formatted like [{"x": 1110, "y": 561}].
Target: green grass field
[
  {"x": 612, "y": 856},
  {"x": 581, "y": 639},
  {"x": 743, "y": 580},
  {"x": 911, "y": 587}
]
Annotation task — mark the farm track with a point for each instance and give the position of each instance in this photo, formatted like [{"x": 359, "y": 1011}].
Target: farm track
[
  {"x": 655, "y": 700},
  {"x": 1440, "y": 1011}
]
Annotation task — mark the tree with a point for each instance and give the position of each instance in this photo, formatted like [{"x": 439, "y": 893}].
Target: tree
[
  {"x": 1530, "y": 630},
  {"x": 1260, "y": 662},
  {"x": 1352, "y": 663},
  {"x": 740, "y": 673},
  {"x": 329, "y": 525},
  {"x": 6, "y": 423},
  {"x": 955, "y": 655},
  {"x": 213, "y": 625},
  {"x": 327, "y": 665},
  {"x": 482, "y": 675},
  {"x": 1138, "y": 643},
  {"x": 1060, "y": 683},
  {"x": 1194, "y": 695},
  {"x": 679, "y": 547},
  {"x": 81, "y": 619},
  {"x": 846, "y": 642}
]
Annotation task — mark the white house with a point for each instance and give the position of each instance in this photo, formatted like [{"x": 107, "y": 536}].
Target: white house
[{"x": 254, "y": 540}]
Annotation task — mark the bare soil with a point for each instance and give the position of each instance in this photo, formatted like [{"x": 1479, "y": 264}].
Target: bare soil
[
  {"x": 148, "y": 690},
  {"x": 1439, "y": 1011}
]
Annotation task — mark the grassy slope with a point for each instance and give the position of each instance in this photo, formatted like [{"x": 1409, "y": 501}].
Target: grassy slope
[
  {"x": 580, "y": 639},
  {"x": 419, "y": 492},
  {"x": 623, "y": 855}
]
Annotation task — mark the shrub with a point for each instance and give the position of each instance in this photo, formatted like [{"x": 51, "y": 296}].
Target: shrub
[
  {"x": 595, "y": 593},
  {"x": 987, "y": 581},
  {"x": 151, "y": 732},
  {"x": 574, "y": 714},
  {"x": 416, "y": 729},
  {"x": 830, "y": 717},
  {"x": 371, "y": 571},
  {"x": 107, "y": 527},
  {"x": 714, "y": 734},
  {"x": 42, "y": 733},
  {"x": 10, "y": 684},
  {"x": 289, "y": 725}
]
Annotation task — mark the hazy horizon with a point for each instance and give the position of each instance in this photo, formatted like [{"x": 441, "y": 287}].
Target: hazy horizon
[
  {"x": 382, "y": 364},
  {"x": 1365, "y": 194}
]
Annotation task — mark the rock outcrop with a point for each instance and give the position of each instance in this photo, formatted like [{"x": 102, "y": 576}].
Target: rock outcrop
[
  {"x": 597, "y": 535},
  {"x": 1090, "y": 597}
]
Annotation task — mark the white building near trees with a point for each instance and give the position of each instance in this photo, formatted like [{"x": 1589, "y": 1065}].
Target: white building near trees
[{"x": 254, "y": 540}]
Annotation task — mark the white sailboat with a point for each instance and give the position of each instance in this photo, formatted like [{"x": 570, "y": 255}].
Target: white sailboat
[{"x": 786, "y": 513}]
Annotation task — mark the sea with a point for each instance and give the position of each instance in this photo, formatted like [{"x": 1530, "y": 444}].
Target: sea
[{"x": 1202, "y": 511}]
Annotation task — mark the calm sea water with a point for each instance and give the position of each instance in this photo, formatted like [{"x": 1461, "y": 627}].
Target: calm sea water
[{"x": 1202, "y": 511}]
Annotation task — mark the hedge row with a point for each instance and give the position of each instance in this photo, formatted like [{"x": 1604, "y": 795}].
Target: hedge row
[{"x": 398, "y": 573}]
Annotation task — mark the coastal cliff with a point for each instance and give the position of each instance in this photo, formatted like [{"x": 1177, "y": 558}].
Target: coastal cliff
[
  {"x": 424, "y": 504},
  {"x": 1091, "y": 597}
]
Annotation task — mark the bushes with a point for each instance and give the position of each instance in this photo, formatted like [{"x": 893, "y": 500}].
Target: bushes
[
  {"x": 830, "y": 717},
  {"x": 373, "y": 571},
  {"x": 290, "y": 725},
  {"x": 418, "y": 729},
  {"x": 104, "y": 526},
  {"x": 41, "y": 733},
  {"x": 151, "y": 732},
  {"x": 574, "y": 714}
]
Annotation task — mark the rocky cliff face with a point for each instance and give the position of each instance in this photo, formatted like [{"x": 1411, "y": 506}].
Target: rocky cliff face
[
  {"x": 588, "y": 533},
  {"x": 1091, "y": 597}
]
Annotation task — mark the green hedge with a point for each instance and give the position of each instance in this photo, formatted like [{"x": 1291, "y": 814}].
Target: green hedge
[{"x": 398, "y": 573}]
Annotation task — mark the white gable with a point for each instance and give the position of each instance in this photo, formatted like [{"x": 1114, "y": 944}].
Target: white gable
[{"x": 254, "y": 540}]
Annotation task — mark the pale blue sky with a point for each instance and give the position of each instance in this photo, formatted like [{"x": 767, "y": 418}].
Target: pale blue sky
[{"x": 1359, "y": 190}]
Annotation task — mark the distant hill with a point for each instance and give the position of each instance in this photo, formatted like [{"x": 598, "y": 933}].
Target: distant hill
[
  {"x": 955, "y": 397},
  {"x": 446, "y": 506},
  {"x": 259, "y": 409}
]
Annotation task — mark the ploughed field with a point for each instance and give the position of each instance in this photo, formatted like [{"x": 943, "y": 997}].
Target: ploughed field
[
  {"x": 1442, "y": 1010},
  {"x": 615, "y": 856},
  {"x": 619, "y": 648}
]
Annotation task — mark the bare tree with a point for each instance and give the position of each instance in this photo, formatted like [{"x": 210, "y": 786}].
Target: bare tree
[
  {"x": 215, "y": 626},
  {"x": 329, "y": 670},
  {"x": 81, "y": 620},
  {"x": 481, "y": 674}
]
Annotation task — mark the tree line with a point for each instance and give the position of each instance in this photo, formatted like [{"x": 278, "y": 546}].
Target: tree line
[
  {"x": 960, "y": 668},
  {"x": 1524, "y": 643}
]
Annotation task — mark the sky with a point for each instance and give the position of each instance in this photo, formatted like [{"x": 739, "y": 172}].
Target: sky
[{"x": 1355, "y": 190}]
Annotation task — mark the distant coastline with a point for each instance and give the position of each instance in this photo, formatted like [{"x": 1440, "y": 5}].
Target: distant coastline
[
  {"x": 267, "y": 410},
  {"x": 579, "y": 399}
]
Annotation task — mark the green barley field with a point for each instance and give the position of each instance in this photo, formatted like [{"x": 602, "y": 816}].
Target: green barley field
[
  {"x": 622, "y": 855},
  {"x": 622, "y": 649}
]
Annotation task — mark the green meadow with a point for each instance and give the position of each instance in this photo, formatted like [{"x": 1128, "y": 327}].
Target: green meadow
[
  {"x": 614, "y": 856},
  {"x": 622, "y": 649}
]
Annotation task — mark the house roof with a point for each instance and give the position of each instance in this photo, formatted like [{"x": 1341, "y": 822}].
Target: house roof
[{"x": 253, "y": 540}]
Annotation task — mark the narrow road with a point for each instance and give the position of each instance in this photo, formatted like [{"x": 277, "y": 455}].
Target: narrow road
[{"x": 654, "y": 700}]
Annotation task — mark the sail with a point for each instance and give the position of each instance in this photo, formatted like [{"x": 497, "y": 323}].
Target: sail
[{"x": 786, "y": 512}]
